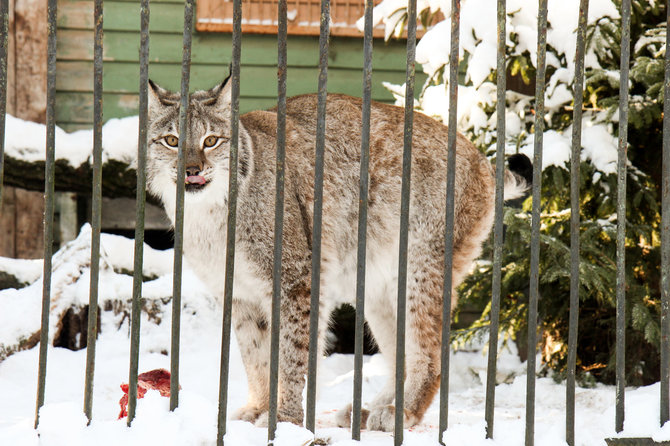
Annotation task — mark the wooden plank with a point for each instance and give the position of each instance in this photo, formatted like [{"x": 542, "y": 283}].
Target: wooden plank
[
  {"x": 119, "y": 213},
  {"x": 208, "y": 48},
  {"x": 121, "y": 16},
  {"x": 74, "y": 110},
  {"x": 11, "y": 63},
  {"x": 29, "y": 227},
  {"x": 30, "y": 28},
  {"x": 8, "y": 222},
  {"x": 78, "y": 107},
  {"x": 122, "y": 77}
]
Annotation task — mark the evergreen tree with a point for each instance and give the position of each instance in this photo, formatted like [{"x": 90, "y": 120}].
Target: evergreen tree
[{"x": 598, "y": 180}]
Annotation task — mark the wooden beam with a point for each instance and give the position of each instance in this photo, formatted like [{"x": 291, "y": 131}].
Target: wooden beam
[
  {"x": 30, "y": 31},
  {"x": 118, "y": 179},
  {"x": 22, "y": 218}
]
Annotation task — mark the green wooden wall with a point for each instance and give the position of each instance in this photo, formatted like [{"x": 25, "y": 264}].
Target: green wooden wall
[{"x": 211, "y": 54}]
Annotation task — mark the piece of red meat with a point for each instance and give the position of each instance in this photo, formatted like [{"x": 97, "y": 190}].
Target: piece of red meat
[{"x": 158, "y": 379}]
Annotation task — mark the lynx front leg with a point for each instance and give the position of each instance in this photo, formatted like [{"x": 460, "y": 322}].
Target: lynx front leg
[
  {"x": 252, "y": 329},
  {"x": 293, "y": 353}
]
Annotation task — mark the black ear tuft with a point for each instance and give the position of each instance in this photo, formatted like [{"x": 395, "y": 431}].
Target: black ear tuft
[
  {"x": 164, "y": 96},
  {"x": 230, "y": 73},
  {"x": 521, "y": 165}
]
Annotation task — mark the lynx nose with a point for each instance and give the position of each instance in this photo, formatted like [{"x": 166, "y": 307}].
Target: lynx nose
[{"x": 192, "y": 171}]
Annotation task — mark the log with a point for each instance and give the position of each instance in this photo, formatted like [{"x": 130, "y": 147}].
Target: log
[{"x": 118, "y": 179}]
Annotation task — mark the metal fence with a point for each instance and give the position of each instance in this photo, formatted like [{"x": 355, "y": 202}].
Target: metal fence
[{"x": 362, "y": 223}]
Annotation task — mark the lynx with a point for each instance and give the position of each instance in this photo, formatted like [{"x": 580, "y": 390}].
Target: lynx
[{"x": 206, "y": 183}]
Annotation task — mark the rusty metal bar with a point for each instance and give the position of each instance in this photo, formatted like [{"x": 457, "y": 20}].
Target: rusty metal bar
[
  {"x": 279, "y": 216},
  {"x": 498, "y": 225},
  {"x": 578, "y": 95},
  {"x": 232, "y": 219},
  {"x": 49, "y": 181},
  {"x": 310, "y": 421},
  {"x": 404, "y": 226},
  {"x": 4, "y": 55},
  {"x": 96, "y": 211},
  {"x": 535, "y": 222},
  {"x": 621, "y": 218},
  {"x": 665, "y": 241},
  {"x": 136, "y": 314},
  {"x": 449, "y": 219},
  {"x": 179, "y": 213},
  {"x": 362, "y": 224}
]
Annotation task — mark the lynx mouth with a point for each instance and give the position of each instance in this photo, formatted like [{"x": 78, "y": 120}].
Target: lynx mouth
[{"x": 195, "y": 183}]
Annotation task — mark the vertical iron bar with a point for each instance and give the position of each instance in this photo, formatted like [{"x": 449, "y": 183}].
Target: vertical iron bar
[
  {"x": 310, "y": 421},
  {"x": 621, "y": 219},
  {"x": 404, "y": 226},
  {"x": 362, "y": 224},
  {"x": 232, "y": 219},
  {"x": 449, "y": 219},
  {"x": 578, "y": 95},
  {"x": 49, "y": 174},
  {"x": 136, "y": 314},
  {"x": 96, "y": 211},
  {"x": 498, "y": 225},
  {"x": 179, "y": 213},
  {"x": 665, "y": 241},
  {"x": 4, "y": 55},
  {"x": 279, "y": 216},
  {"x": 535, "y": 222}
]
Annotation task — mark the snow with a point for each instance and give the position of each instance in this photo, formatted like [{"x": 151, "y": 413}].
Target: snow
[
  {"x": 25, "y": 270},
  {"x": 194, "y": 422},
  {"x": 26, "y": 140}
]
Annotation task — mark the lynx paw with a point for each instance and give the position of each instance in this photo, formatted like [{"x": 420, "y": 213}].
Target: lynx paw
[
  {"x": 343, "y": 416},
  {"x": 248, "y": 413},
  {"x": 262, "y": 420},
  {"x": 382, "y": 418}
]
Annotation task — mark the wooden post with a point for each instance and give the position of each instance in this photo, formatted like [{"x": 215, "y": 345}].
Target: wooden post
[{"x": 22, "y": 212}]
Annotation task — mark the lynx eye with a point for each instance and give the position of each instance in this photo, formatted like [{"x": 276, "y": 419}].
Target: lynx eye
[
  {"x": 171, "y": 140},
  {"x": 211, "y": 141}
]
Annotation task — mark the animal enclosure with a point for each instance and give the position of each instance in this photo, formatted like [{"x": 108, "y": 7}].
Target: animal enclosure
[{"x": 238, "y": 81}]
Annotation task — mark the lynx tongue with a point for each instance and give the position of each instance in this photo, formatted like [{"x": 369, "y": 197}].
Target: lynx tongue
[{"x": 195, "y": 179}]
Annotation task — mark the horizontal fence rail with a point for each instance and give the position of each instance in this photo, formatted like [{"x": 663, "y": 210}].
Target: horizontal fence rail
[{"x": 316, "y": 329}]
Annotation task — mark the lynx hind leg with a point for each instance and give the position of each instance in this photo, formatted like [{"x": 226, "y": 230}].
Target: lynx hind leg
[
  {"x": 381, "y": 317},
  {"x": 252, "y": 329},
  {"x": 423, "y": 340}
]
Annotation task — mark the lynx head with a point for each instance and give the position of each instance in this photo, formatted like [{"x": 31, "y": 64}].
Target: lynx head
[{"x": 206, "y": 148}]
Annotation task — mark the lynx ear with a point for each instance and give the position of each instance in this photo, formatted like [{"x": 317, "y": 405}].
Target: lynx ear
[
  {"x": 158, "y": 98},
  {"x": 221, "y": 95}
]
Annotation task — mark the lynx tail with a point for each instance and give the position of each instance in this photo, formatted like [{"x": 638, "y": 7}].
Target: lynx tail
[{"x": 518, "y": 176}]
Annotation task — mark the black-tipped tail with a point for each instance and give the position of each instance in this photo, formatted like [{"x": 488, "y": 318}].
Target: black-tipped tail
[{"x": 518, "y": 176}]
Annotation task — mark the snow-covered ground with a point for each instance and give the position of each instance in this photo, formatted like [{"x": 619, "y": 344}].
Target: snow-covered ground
[{"x": 194, "y": 422}]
